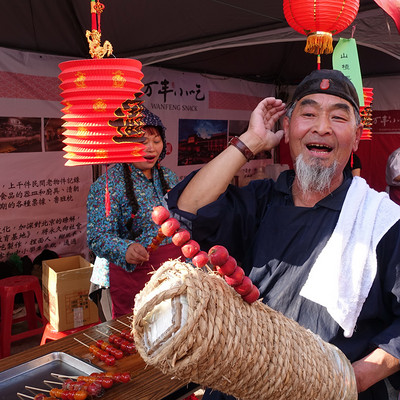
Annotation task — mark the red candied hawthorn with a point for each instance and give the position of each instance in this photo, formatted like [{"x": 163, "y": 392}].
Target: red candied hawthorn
[
  {"x": 252, "y": 296},
  {"x": 170, "y": 226},
  {"x": 218, "y": 255},
  {"x": 236, "y": 278},
  {"x": 190, "y": 248},
  {"x": 200, "y": 259},
  {"x": 245, "y": 287},
  {"x": 180, "y": 237},
  {"x": 228, "y": 268},
  {"x": 159, "y": 215}
]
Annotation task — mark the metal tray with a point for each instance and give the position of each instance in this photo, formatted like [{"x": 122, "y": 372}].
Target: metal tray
[{"x": 33, "y": 373}]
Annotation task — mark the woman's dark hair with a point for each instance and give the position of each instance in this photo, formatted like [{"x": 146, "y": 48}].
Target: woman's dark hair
[{"x": 130, "y": 193}]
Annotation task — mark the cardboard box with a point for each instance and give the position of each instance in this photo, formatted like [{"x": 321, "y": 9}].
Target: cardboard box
[{"x": 65, "y": 284}]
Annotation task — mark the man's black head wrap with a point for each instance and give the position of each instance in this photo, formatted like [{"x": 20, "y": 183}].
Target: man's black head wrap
[{"x": 329, "y": 82}]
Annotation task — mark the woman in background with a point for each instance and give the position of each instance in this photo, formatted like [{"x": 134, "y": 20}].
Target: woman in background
[{"x": 119, "y": 240}]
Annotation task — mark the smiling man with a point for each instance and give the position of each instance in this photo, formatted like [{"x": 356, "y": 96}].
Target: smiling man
[{"x": 299, "y": 238}]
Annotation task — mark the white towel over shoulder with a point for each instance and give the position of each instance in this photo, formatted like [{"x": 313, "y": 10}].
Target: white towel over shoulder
[{"x": 343, "y": 273}]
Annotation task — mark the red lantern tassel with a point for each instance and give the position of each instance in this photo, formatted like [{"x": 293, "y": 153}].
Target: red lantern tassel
[
  {"x": 98, "y": 16},
  {"x": 93, "y": 12},
  {"x": 107, "y": 197},
  {"x": 319, "y": 43},
  {"x": 107, "y": 202}
]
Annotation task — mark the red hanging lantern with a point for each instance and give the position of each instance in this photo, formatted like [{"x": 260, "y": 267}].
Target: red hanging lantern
[
  {"x": 366, "y": 114},
  {"x": 319, "y": 20},
  {"x": 391, "y": 7},
  {"x": 102, "y": 110}
]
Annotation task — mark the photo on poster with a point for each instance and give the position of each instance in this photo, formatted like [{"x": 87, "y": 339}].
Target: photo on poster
[
  {"x": 20, "y": 135},
  {"x": 236, "y": 128},
  {"x": 200, "y": 140},
  {"x": 53, "y": 134}
]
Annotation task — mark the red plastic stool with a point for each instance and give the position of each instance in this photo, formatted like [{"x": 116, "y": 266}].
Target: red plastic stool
[
  {"x": 30, "y": 288},
  {"x": 51, "y": 333}
]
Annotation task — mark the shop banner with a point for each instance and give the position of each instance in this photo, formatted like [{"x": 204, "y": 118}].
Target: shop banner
[{"x": 201, "y": 113}]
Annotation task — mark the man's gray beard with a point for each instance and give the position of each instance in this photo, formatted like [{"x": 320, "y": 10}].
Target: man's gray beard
[{"x": 314, "y": 177}]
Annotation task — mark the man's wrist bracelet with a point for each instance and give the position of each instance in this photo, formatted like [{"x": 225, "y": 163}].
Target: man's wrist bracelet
[{"x": 236, "y": 142}]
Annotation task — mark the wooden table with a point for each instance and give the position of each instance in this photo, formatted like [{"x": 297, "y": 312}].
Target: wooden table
[{"x": 147, "y": 382}]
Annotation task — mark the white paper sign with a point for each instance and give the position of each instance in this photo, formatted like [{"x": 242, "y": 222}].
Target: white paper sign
[{"x": 42, "y": 205}]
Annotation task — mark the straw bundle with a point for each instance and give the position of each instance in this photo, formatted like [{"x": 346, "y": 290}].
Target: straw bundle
[{"x": 190, "y": 324}]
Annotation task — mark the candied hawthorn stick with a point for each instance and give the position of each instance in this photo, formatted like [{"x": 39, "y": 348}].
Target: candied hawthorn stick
[
  {"x": 61, "y": 393},
  {"x": 156, "y": 241},
  {"x": 159, "y": 215},
  {"x": 233, "y": 274},
  {"x": 180, "y": 237},
  {"x": 99, "y": 353},
  {"x": 119, "y": 377},
  {"x": 39, "y": 396},
  {"x": 125, "y": 344},
  {"x": 126, "y": 333},
  {"x": 93, "y": 389},
  {"x": 69, "y": 394},
  {"x": 105, "y": 381},
  {"x": 218, "y": 256},
  {"x": 108, "y": 347},
  {"x": 167, "y": 228}
]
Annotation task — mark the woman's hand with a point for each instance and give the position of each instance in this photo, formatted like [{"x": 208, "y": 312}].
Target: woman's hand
[{"x": 136, "y": 254}]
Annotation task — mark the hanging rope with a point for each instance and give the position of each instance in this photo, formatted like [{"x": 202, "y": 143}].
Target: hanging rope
[
  {"x": 96, "y": 8},
  {"x": 96, "y": 50},
  {"x": 107, "y": 201}
]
